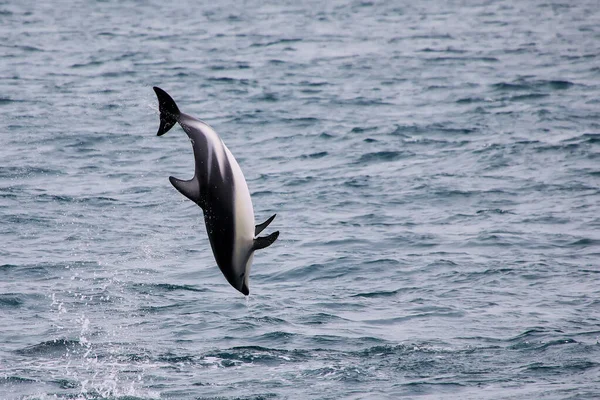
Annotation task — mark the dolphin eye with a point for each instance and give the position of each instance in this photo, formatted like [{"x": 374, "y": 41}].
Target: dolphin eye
[{"x": 242, "y": 274}]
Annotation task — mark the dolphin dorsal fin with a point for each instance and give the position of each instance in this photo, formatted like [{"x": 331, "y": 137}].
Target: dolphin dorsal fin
[
  {"x": 265, "y": 241},
  {"x": 260, "y": 227},
  {"x": 190, "y": 189}
]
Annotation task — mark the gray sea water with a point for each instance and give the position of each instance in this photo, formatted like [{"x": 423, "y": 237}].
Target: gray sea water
[{"x": 434, "y": 167}]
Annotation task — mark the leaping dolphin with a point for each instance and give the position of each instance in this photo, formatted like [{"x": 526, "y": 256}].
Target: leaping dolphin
[{"x": 220, "y": 189}]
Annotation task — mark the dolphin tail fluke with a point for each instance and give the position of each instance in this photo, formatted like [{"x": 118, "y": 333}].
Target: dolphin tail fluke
[
  {"x": 169, "y": 112},
  {"x": 265, "y": 241},
  {"x": 260, "y": 227}
]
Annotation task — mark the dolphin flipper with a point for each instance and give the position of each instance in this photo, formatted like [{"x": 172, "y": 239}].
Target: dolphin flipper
[
  {"x": 265, "y": 241},
  {"x": 189, "y": 189},
  {"x": 260, "y": 227},
  {"x": 169, "y": 112}
]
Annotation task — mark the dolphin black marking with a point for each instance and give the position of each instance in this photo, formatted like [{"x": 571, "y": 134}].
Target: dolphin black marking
[{"x": 220, "y": 189}]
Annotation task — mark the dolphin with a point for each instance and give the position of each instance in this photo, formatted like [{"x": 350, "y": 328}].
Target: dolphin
[{"x": 220, "y": 189}]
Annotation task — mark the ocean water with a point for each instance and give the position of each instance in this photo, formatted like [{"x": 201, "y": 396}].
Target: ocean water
[{"x": 435, "y": 170}]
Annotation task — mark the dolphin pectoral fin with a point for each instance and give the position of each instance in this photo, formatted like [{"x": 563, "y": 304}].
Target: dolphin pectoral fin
[
  {"x": 260, "y": 227},
  {"x": 169, "y": 112},
  {"x": 189, "y": 189},
  {"x": 265, "y": 241}
]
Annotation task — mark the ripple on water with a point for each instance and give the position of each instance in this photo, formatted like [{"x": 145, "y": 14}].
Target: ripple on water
[
  {"x": 383, "y": 156},
  {"x": 52, "y": 348}
]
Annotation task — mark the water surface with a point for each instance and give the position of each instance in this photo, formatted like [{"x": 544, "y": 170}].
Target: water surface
[{"x": 434, "y": 168}]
